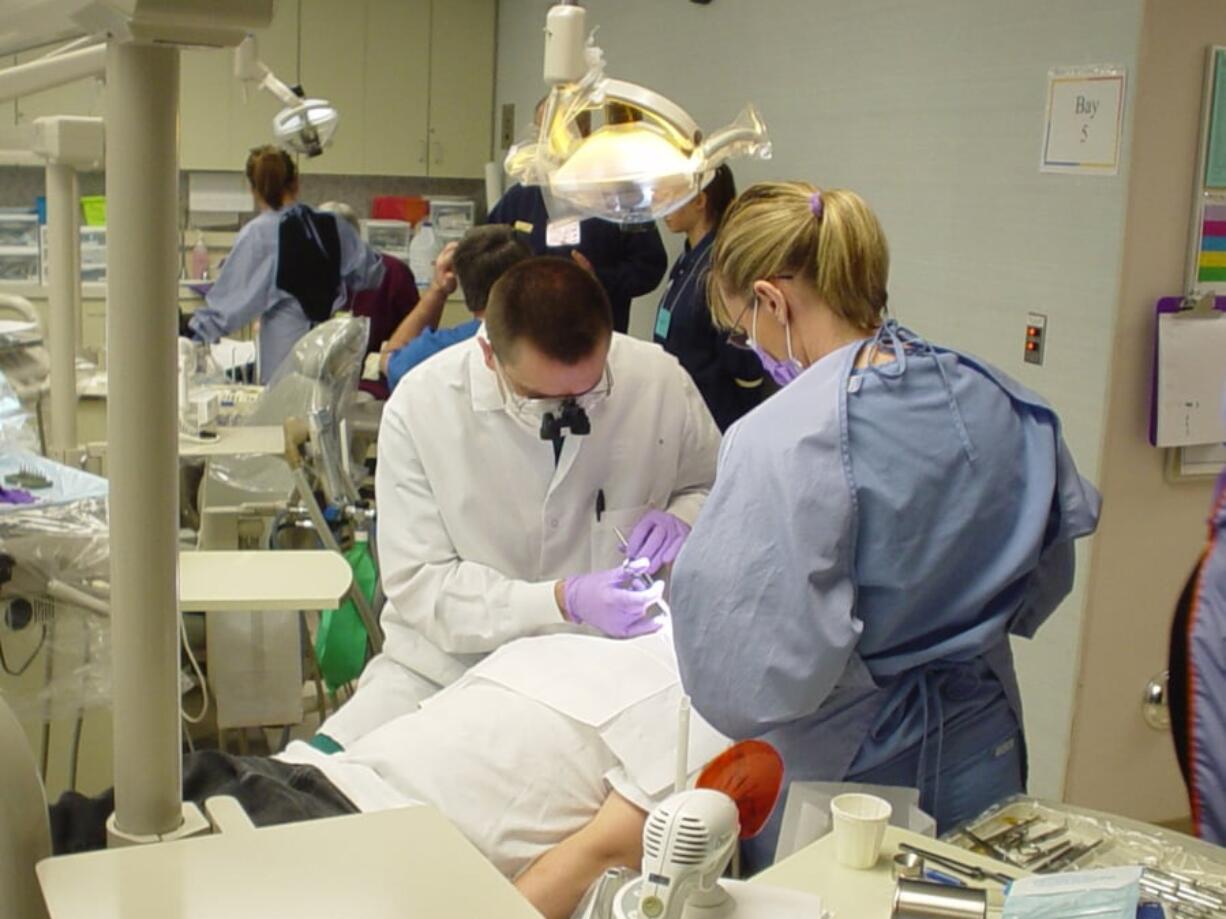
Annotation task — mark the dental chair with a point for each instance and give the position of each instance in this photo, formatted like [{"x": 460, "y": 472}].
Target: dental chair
[
  {"x": 25, "y": 834},
  {"x": 318, "y": 383},
  {"x": 256, "y": 660},
  {"x": 54, "y": 618},
  {"x": 25, "y": 364}
]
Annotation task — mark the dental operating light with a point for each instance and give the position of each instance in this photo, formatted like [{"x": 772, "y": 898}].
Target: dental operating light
[
  {"x": 647, "y": 159},
  {"x": 305, "y": 125}
]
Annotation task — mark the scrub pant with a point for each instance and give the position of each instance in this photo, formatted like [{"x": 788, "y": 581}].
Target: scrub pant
[
  {"x": 982, "y": 762},
  {"x": 269, "y": 790}
]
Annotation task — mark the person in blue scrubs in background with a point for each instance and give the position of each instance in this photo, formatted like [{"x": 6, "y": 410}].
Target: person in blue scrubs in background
[
  {"x": 878, "y": 528},
  {"x": 291, "y": 267},
  {"x": 1197, "y": 689},
  {"x": 477, "y": 261},
  {"x": 628, "y": 261},
  {"x": 729, "y": 378}
]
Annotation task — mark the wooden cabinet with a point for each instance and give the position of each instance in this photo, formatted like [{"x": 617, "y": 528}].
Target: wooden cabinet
[
  {"x": 396, "y": 106},
  {"x": 332, "y": 57},
  {"x": 413, "y": 81},
  {"x": 217, "y": 125},
  {"x": 371, "y": 59},
  {"x": 204, "y": 111},
  {"x": 461, "y": 86}
]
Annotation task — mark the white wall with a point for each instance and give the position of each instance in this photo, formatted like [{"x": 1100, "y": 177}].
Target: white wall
[
  {"x": 1153, "y": 529},
  {"x": 934, "y": 112}
]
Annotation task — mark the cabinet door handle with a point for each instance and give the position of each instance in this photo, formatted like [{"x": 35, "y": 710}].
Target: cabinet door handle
[
  {"x": 1156, "y": 705},
  {"x": 438, "y": 153}
]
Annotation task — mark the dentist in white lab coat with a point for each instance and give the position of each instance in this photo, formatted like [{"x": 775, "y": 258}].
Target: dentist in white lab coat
[{"x": 508, "y": 466}]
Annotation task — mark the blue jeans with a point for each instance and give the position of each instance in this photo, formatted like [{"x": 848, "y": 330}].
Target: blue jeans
[{"x": 982, "y": 762}]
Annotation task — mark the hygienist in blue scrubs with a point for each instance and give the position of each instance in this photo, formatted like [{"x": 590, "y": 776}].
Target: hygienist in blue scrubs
[
  {"x": 878, "y": 528},
  {"x": 291, "y": 267},
  {"x": 729, "y": 378}
]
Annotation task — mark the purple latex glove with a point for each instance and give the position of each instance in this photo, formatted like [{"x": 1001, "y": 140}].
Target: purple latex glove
[
  {"x": 610, "y": 602},
  {"x": 15, "y": 496},
  {"x": 657, "y": 537}
]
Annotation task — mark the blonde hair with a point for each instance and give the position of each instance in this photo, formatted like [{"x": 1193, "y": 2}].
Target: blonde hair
[
  {"x": 771, "y": 230},
  {"x": 344, "y": 211}
]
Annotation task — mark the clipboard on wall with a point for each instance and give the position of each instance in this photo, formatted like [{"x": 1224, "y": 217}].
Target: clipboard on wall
[{"x": 1189, "y": 372}]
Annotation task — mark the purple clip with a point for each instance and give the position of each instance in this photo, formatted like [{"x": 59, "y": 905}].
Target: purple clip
[{"x": 815, "y": 204}]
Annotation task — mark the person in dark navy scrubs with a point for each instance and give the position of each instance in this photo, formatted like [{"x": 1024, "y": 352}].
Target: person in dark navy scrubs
[
  {"x": 629, "y": 261},
  {"x": 730, "y": 379}
]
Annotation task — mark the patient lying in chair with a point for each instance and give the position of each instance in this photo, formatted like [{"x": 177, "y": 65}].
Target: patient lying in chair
[{"x": 547, "y": 755}]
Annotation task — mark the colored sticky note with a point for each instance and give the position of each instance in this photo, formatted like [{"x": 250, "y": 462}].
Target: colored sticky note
[
  {"x": 1215, "y": 160},
  {"x": 1213, "y": 260},
  {"x": 1211, "y": 274}
]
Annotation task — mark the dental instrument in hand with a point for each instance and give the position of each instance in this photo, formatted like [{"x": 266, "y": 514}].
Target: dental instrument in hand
[{"x": 647, "y": 580}]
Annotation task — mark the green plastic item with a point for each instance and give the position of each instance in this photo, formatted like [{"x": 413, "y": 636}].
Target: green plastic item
[
  {"x": 93, "y": 210},
  {"x": 340, "y": 644}
]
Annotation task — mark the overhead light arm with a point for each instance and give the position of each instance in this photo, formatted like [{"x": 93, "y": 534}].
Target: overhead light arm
[
  {"x": 51, "y": 71},
  {"x": 250, "y": 69},
  {"x": 304, "y": 125}
]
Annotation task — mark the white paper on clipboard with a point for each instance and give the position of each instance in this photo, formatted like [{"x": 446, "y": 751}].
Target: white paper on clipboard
[{"x": 1191, "y": 371}]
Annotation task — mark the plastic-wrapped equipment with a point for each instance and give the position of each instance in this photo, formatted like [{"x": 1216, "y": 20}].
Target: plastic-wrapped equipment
[
  {"x": 54, "y": 568},
  {"x": 316, "y": 383}
]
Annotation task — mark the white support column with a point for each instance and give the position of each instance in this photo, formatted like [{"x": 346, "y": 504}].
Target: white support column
[
  {"x": 64, "y": 252},
  {"x": 142, "y": 327}
]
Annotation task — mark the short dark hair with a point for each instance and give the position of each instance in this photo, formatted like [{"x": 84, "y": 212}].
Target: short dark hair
[
  {"x": 552, "y": 303},
  {"x": 720, "y": 192},
  {"x": 483, "y": 256}
]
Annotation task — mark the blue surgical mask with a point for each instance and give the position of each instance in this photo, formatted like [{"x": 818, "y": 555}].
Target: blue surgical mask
[
  {"x": 1108, "y": 893},
  {"x": 782, "y": 372}
]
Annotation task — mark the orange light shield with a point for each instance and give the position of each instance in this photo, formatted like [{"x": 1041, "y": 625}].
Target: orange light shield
[{"x": 751, "y": 774}]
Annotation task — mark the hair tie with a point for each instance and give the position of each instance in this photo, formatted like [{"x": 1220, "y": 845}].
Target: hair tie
[{"x": 815, "y": 204}]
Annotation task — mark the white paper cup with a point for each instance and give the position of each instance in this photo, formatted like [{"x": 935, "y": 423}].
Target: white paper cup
[{"x": 859, "y": 828}]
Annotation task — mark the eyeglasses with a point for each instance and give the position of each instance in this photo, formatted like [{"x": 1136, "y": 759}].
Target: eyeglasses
[
  {"x": 530, "y": 408},
  {"x": 738, "y": 336}
]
